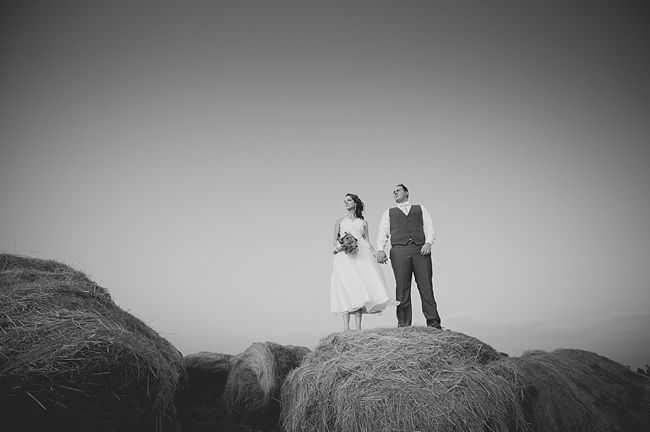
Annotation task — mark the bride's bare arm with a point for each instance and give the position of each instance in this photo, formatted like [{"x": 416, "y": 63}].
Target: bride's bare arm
[
  {"x": 365, "y": 236},
  {"x": 335, "y": 241}
]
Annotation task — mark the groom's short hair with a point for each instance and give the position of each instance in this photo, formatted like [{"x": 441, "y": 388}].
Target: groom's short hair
[{"x": 404, "y": 187}]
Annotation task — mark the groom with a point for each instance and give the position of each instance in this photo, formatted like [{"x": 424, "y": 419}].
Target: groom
[{"x": 411, "y": 233}]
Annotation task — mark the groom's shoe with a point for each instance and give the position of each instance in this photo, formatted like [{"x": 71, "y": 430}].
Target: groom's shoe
[{"x": 435, "y": 325}]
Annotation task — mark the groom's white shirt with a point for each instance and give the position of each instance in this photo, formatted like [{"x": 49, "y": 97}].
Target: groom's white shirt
[{"x": 384, "y": 225}]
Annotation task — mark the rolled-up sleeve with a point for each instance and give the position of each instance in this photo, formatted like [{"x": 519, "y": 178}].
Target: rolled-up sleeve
[
  {"x": 427, "y": 222},
  {"x": 383, "y": 231}
]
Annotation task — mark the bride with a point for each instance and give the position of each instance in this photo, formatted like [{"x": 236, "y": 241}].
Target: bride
[{"x": 358, "y": 284}]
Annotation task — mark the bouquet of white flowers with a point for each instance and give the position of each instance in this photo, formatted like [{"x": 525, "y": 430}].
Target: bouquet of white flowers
[{"x": 348, "y": 244}]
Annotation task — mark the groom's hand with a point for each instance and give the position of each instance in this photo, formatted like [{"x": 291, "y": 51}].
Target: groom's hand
[
  {"x": 381, "y": 257},
  {"x": 426, "y": 249}
]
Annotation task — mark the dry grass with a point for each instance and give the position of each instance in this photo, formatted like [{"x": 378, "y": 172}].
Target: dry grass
[
  {"x": 252, "y": 392},
  {"x": 402, "y": 379},
  {"x": 70, "y": 357},
  {"x": 201, "y": 405},
  {"x": 579, "y": 391}
]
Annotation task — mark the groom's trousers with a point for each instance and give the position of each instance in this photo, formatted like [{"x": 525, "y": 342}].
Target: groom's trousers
[{"x": 408, "y": 262}]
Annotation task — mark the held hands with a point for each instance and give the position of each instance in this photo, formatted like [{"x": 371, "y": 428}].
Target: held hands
[
  {"x": 381, "y": 257},
  {"x": 426, "y": 249}
]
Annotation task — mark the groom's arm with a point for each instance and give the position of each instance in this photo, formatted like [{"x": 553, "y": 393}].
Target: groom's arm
[
  {"x": 429, "y": 233},
  {"x": 382, "y": 237},
  {"x": 383, "y": 231},
  {"x": 427, "y": 222}
]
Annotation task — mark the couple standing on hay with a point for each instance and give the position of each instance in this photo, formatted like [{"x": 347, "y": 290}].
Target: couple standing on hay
[{"x": 358, "y": 284}]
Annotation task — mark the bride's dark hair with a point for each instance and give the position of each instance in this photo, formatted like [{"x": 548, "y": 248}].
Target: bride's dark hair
[{"x": 359, "y": 209}]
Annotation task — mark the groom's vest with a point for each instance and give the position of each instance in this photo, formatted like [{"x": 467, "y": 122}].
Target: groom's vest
[{"x": 405, "y": 229}]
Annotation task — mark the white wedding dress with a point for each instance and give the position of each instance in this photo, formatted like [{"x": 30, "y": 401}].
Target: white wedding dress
[{"x": 357, "y": 280}]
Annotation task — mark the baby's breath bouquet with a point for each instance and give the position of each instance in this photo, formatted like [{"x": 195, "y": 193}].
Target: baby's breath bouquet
[{"x": 348, "y": 244}]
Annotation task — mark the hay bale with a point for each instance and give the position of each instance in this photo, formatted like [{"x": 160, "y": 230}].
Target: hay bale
[
  {"x": 402, "y": 379},
  {"x": 70, "y": 359},
  {"x": 252, "y": 392},
  {"x": 201, "y": 405},
  {"x": 579, "y": 391}
]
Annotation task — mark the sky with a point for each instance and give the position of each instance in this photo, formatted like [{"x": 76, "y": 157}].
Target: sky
[{"x": 192, "y": 157}]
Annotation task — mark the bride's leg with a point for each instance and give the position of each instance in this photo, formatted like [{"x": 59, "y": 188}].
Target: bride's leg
[
  {"x": 357, "y": 318},
  {"x": 346, "y": 321}
]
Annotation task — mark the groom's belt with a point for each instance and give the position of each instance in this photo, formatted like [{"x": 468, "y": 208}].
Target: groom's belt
[{"x": 409, "y": 242}]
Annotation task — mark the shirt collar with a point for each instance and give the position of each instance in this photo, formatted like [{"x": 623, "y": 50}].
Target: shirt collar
[{"x": 404, "y": 204}]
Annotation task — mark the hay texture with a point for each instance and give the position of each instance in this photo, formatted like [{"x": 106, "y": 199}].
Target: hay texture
[
  {"x": 579, "y": 391},
  {"x": 252, "y": 392},
  {"x": 201, "y": 405},
  {"x": 402, "y": 379},
  {"x": 70, "y": 359}
]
